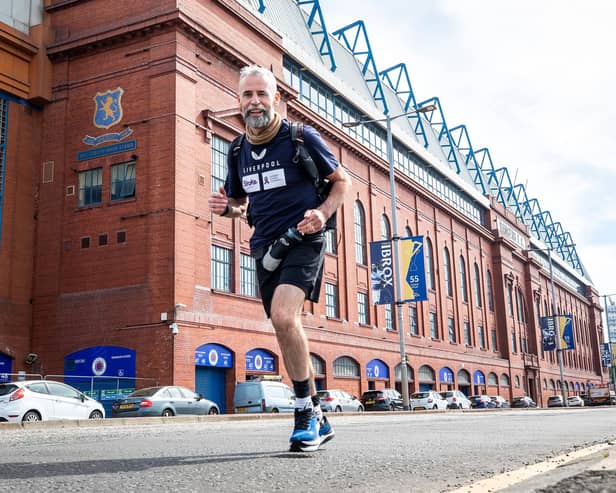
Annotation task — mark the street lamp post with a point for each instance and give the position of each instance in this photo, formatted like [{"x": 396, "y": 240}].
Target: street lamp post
[
  {"x": 609, "y": 339},
  {"x": 394, "y": 223},
  {"x": 559, "y": 349}
]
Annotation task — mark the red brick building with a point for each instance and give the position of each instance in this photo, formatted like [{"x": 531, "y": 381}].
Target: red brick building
[{"x": 114, "y": 255}]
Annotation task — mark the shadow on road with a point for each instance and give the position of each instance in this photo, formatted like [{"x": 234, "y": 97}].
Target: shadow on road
[{"x": 25, "y": 470}]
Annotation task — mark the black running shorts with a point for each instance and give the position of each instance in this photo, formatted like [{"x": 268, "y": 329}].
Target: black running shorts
[{"x": 302, "y": 267}]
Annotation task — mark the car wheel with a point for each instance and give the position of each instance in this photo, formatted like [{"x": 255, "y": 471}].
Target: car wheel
[
  {"x": 392, "y": 407},
  {"x": 213, "y": 410},
  {"x": 360, "y": 409},
  {"x": 31, "y": 416},
  {"x": 338, "y": 409},
  {"x": 275, "y": 410},
  {"x": 96, "y": 415},
  {"x": 167, "y": 412}
]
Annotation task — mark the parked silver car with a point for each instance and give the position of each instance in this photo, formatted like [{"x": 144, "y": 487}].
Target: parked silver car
[
  {"x": 338, "y": 401},
  {"x": 429, "y": 399},
  {"x": 456, "y": 399},
  {"x": 162, "y": 401}
]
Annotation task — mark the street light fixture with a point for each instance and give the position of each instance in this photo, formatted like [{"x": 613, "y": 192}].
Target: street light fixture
[
  {"x": 559, "y": 349},
  {"x": 392, "y": 190}
]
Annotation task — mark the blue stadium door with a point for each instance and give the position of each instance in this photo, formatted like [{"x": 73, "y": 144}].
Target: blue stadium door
[{"x": 210, "y": 382}]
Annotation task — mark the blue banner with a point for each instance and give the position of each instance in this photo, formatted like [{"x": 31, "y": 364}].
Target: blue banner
[
  {"x": 6, "y": 367},
  {"x": 377, "y": 369},
  {"x": 445, "y": 375},
  {"x": 606, "y": 355},
  {"x": 213, "y": 355},
  {"x": 412, "y": 262},
  {"x": 479, "y": 378},
  {"x": 548, "y": 333},
  {"x": 565, "y": 331},
  {"x": 260, "y": 360},
  {"x": 109, "y": 361},
  {"x": 382, "y": 273}
]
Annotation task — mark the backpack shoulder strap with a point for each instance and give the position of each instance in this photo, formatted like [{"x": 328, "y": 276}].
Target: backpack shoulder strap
[
  {"x": 236, "y": 145},
  {"x": 302, "y": 156}
]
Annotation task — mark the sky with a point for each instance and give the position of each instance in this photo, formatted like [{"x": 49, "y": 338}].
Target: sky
[{"x": 533, "y": 81}]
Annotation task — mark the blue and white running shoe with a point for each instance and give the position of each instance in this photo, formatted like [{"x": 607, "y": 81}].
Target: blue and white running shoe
[
  {"x": 305, "y": 436},
  {"x": 326, "y": 432}
]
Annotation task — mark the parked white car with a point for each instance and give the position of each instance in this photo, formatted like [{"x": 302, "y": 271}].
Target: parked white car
[
  {"x": 42, "y": 400},
  {"x": 575, "y": 401},
  {"x": 429, "y": 399},
  {"x": 456, "y": 399}
]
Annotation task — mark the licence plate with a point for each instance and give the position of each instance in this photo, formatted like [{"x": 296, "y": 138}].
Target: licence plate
[
  {"x": 126, "y": 406},
  {"x": 369, "y": 402},
  {"x": 241, "y": 409},
  {"x": 421, "y": 408}
]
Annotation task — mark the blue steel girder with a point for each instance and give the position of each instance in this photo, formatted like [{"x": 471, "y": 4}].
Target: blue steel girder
[
  {"x": 397, "y": 77},
  {"x": 462, "y": 141},
  {"x": 318, "y": 30},
  {"x": 535, "y": 211},
  {"x": 500, "y": 185},
  {"x": 356, "y": 40},
  {"x": 521, "y": 202},
  {"x": 261, "y": 6},
  {"x": 437, "y": 120},
  {"x": 546, "y": 229}
]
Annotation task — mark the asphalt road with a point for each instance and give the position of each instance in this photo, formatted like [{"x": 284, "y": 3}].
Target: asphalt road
[{"x": 426, "y": 452}]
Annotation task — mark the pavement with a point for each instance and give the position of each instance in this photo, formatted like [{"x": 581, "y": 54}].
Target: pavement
[{"x": 584, "y": 470}]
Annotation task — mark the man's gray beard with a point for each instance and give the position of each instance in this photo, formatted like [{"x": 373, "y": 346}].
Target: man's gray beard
[{"x": 259, "y": 121}]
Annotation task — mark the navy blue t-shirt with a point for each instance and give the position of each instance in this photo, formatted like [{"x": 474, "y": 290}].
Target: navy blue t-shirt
[{"x": 279, "y": 190}]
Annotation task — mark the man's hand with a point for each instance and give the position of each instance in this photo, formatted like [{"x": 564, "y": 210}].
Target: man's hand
[
  {"x": 219, "y": 202},
  {"x": 314, "y": 221}
]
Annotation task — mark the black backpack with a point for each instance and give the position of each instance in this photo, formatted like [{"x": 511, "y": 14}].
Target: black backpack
[{"x": 302, "y": 157}]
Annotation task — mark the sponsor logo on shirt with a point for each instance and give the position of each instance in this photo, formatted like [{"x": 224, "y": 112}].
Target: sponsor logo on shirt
[
  {"x": 251, "y": 183},
  {"x": 259, "y": 156}
]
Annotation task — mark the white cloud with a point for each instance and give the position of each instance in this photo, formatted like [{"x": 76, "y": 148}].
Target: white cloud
[{"x": 533, "y": 81}]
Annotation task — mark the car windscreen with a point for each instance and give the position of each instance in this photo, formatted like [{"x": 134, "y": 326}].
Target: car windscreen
[
  {"x": 420, "y": 395},
  {"x": 7, "y": 388},
  {"x": 372, "y": 395}
]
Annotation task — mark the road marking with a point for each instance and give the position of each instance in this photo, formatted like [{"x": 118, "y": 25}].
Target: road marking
[{"x": 507, "y": 479}]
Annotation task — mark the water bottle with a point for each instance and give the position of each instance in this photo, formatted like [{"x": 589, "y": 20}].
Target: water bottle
[{"x": 277, "y": 250}]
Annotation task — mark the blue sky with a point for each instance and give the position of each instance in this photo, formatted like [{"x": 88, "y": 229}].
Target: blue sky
[{"x": 533, "y": 81}]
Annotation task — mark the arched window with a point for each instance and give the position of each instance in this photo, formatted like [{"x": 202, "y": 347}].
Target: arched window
[
  {"x": 492, "y": 379},
  {"x": 517, "y": 382},
  {"x": 490, "y": 291},
  {"x": 429, "y": 265},
  {"x": 360, "y": 233},
  {"x": 385, "y": 229},
  {"x": 426, "y": 374},
  {"x": 407, "y": 232},
  {"x": 477, "y": 279},
  {"x": 504, "y": 380},
  {"x": 317, "y": 364},
  {"x": 447, "y": 265},
  {"x": 346, "y": 367},
  {"x": 521, "y": 311},
  {"x": 463, "y": 286}
]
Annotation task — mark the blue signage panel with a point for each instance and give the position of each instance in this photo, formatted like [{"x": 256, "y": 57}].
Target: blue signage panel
[
  {"x": 479, "y": 378},
  {"x": 98, "y": 361},
  {"x": 412, "y": 261},
  {"x": 260, "y": 360},
  {"x": 129, "y": 145},
  {"x": 377, "y": 369},
  {"x": 6, "y": 367},
  {"x": 606, "y": 356},
  {"x": 213, "y": 355},
  {"x": 382, "y": 273},
  {"x": 445, "y": 375},
  {"x": 565, "y": 331},
  {"x": 548, "y": 333}
]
